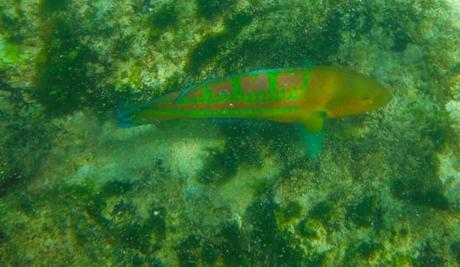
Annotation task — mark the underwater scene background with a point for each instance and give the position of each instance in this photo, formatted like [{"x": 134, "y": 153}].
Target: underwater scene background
[{"x": 77, "y": 190}]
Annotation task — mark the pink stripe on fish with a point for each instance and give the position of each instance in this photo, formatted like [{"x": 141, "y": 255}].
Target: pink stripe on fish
[
  {"x": 224, "y": 106},
  {"x": 254, "y": 83},
  {"x": 290, "y": 80},
  {"x": 223, "y": 86}
]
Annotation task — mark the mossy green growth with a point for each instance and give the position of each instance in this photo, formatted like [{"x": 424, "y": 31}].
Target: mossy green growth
[
  {"x": 164, "y": 17},
  {"x": 3, "y": 236},
  {"x": 223, "y": 165},
  {"x": 188, "y": 251},
  {"x": 323, "y": 211},
  {"x": 235, "y": 23},
  {"x": 11, "y": 53},
  {"x": 232, "y": 246},
  {"x": 210, "y": 9},
  {"x": 308, "y": 228},
  {"x": 61, "y": 81},
  {"x": 210, "y": 46},
  {"x": 228, "y": 244},
  {"x": 418, "y": 193},
  {"x": 107, "y": 213},
  {"x": 10, "y": 176},
  {"x": 367, "y": 212},
  {"x": 367, "y": 249},
  {"x": 209, "y": 253},
  {"x": 47, "y": 7},
  {"x": 292, "y": 210},
  {"x": 160, "y": 20},
  {"x": 204, "y": 51},
  {"x": 268, "y": 242},
  {"x": 116, "y": 187},
  {"x": 455, "y": 248},
  {"x": 429, "y": 260}
]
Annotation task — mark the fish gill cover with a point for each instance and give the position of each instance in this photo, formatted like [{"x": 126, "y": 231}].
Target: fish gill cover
[{"x": 78, "y": 190}]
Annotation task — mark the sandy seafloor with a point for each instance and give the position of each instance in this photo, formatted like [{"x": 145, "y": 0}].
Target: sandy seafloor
[{"x": 76, "y": 190}]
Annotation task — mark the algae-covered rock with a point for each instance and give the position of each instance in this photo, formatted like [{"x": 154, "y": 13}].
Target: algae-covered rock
[{"x": 77, "y": 190}]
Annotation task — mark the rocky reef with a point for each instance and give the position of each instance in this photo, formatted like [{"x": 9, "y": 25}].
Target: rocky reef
[{"x": 77, "y": 190}]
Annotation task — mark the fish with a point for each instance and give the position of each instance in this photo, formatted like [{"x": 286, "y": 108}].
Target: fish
[{"x": 304, "y": 95}]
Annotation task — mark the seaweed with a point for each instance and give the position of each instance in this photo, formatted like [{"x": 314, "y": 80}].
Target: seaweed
[
  {"x": 367, "y": 212},
  {"x": 48, "y": 7},
  {"x": 238, "y": 150},
  {"x": 116, "y": 188},
  {"x": 418, "y": 193},
  {"x": 307, "y": 228},
  {"x": 367, "y": 249},
  {"x": 292, "y": 210},
  {"x": 270, "y": 245},
  {"x": 220, "y": 167},
  {"x": 455, "y": 248},
  {"x": 211, "y": 9},
  {"x": 164, "y": 17},
  {"x": 209, "y": 253},
  {"x": 401, "y": 40},
  {"x": 62, "y": 83},
  {"x": 212, "y": 44},
  {"x": 188, "y": 251},
  {"x": 232, "y": 246},
  {"x": 322, "y": 211},
  {"x": 204, "y": 51}
]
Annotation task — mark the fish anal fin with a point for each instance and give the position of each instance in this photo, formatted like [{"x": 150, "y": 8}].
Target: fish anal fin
[
  {"x": 313, "y": 133},
  {"x": 314, "y": 122}
]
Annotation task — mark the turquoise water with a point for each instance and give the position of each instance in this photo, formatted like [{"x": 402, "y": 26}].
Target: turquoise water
[{"x": 76, "y": 190}]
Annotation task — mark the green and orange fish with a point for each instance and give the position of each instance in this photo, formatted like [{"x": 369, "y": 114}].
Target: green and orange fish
[{"x": 307, "y": 95}]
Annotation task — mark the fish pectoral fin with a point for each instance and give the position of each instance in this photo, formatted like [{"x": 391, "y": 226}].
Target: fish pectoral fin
[{"x": 314, "y": 122}]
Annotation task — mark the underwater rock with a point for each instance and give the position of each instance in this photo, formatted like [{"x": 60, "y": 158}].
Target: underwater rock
[{"x": 77, "y": 189}]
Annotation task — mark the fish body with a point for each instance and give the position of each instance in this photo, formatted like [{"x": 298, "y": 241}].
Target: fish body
[{"x": 307, "y": 95}]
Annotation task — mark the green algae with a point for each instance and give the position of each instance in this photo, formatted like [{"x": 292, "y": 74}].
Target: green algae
[
  {"x": 223, "y": 165},
  {"x": 308, "y": 228},
  {"x": 210, "y": 9},
  {"x": 220, "y": 168},
  {"x": 232, "y": 246},
  {"x": 323, "y": 211},
  {"x": 205, "y": 51},
  {"x": 161, "y": 19},
  {"x": 273, "y": 247},
  {"x": 62, "y": 83},
  {"x": 292, "y": 210},
  {"x": 455, "y": 248},
  {"x": 210, "y": 46},
  {"x": 416, "y": 193},
  {"x": 367, "y": 212},
  {"x": 165, "y": 17},
  {"x": 48, "y": 7}
]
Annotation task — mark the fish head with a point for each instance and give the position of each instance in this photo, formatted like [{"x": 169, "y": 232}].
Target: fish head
[{"x": 350, "y": 93}]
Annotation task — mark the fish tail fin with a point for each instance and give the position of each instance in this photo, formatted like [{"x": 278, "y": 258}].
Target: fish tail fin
[{"x": 124, "y": 117}]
